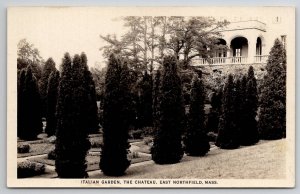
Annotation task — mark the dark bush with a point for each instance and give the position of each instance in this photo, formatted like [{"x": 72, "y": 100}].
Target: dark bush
[
  {"x": 167, "y": 147},
  {"x": 29, "y": 169},
  {"x": 272, "y": 102},
  {"x": 116, "y": 118},
  {"x": 136, "y": 134},
  {"x": 23, "y": 148},
  {"x": 196, "y": 140}
]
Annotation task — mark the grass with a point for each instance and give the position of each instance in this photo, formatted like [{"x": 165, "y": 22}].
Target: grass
[
  {"x": 266, "y": 160},
  {"x": 92, "y": 159}
]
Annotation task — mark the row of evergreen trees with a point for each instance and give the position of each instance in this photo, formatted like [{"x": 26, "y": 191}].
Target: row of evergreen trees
[
  {"x": 73, "y": 93},
  {"x": 237, "y": 122}
]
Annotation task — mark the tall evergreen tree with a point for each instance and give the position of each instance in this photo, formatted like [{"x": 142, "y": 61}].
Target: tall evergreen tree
[
  {"x": 21, "y": 85},
  {"x": 30, "y": 113},
  {"x": 228, "y": 132},
  {"x": 215, "y": 110},
  {"x": 167, "y": 147},
  {"x": 196, "y": 140},
  {"x": 51, "y": 103},
  {"x": 113, "y": 159},
  {"x": 272, "y": 117},
  {"x": 156, "y": 98},
  {"x": 48, "y": 68},
  {"x": 72, "y": 143},
  {"x": 249, "y": 132},
  {"x": 145, "y": 102},
  {"x": 92, "y": 120}
]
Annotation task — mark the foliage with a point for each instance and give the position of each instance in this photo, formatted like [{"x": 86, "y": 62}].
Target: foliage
[
  {"x": 29, "y": 112},
  {"x": 23, "y": 148},
  {"x": 196, "y": 140},
  {"x": 249, "y": 131},
  {"x": 156, "y": 98},
  {"x": 92, "y": 121},
  {"x": 228, "y": 131},
  {"x": 52, "y": 155},
  {"x": 52, "y": 93},
  {"x": 116, "y": 118},
  {"x": 144, "y": 110},
  {"x": 214, "y": 113},
  {"x": 167, "y": 146},
  {"x": 48, "y": 68},
  {"x": 188, "y": 37},
  {"x": 72, "y": 143},
  {"x": 28, "y": 169},
  {"x": 272, "y": 116}
]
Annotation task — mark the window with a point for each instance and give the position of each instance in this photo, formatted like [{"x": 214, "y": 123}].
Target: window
[{"x": 237, "y": 52}]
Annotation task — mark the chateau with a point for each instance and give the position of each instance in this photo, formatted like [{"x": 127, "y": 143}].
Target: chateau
[{"x": 248, "y": 42}]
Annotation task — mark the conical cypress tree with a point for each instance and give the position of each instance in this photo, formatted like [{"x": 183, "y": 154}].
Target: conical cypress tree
[
  {"x": 48, "y": 68},
  {"x": 51, "y": 103},
  {"x": 92, "y": 120},
  {"x": 21, "y": 103},
  {"x": 214, "y": 114},
  {"x": 156, "y": 99},
  {"x": 113, "y": 159},
  {"x": 272, "y": 117},
  {"x": 31, "y": 113},
  {"x": 196, "y": 140},
  {"x": 72, "y": 143},
  {"x": 145, "y": 109},
  {"x": 228, "y": 132},
  {"x": 249, "y": 131},
  {"x": 167, "y": 147}
]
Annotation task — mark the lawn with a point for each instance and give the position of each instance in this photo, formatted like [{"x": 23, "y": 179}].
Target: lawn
[{"x": 266, "y": 160}]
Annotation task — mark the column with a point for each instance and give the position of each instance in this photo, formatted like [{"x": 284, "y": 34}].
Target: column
[{"x": 251, "y": 50}]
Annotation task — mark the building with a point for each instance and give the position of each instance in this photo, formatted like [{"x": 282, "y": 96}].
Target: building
[{"x": 248, "y": 42}]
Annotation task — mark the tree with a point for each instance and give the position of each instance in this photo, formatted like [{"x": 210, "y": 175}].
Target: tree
[
  {"x": 52, "y": 93},
  {"x": 215, "y": 110},
  {"x": 147, "y": 39},
  {"x": 196, "y": 140},
  {"x": 228, "y": 132},
  {"x": 113, "y": 159},
  {"x": 72, "y": 143},
  {"x": 156, "y": 92},
  {"x": 28, "y": 52},
  {"x": 249, "y": 132},
  {"x": 167, "y": 148},
  {"x": 21, "y": 103},
  {"x": 48, "y": 68},
  {"x": 145, "y": 102},
  {"x": 28, "y": 55},
  {"x": 92, "y": 120},
  {"x": 30, "y": 107},
  {"x": 272, "y": 116}
]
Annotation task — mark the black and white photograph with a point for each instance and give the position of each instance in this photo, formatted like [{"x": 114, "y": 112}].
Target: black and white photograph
[{"x": 151, "y": 97}]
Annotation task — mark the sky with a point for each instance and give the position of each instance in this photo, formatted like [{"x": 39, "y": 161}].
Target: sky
[{"x": 55, "y": 32}]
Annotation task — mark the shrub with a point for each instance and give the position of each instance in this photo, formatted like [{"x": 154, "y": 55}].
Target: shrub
[
  {"x": 29, "y": 169},
  {"x": 30, "y": 124},
  {"x": 48, "y": 68},
  {"x": 72, "y": 142},
  {"x": 51, "y": 103},
  {"x": 272, "y": 117},
  {"x": 196, "y": 141},
  {"x": 116, "y": 118},
  {"x": 228, "y": 132},
  {"x": 167, "y": 147},
  {"x": 23, "y": 148}
]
